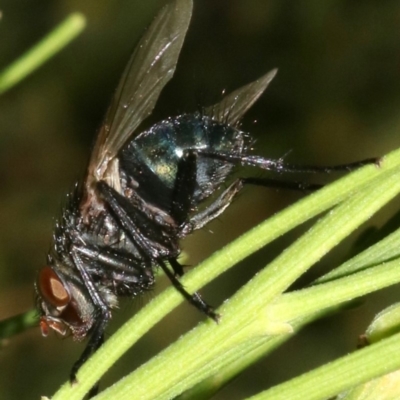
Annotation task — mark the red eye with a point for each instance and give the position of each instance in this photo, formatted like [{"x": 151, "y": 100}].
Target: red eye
[{"x": 52, "y": 289}]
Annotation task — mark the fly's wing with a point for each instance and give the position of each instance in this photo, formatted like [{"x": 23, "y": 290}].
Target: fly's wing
[
  {"x": 150, "y": 67},
  {"x": 233, "y": 106}
]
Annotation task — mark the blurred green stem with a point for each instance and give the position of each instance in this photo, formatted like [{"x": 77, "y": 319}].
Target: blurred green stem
[
  {"x": 44, "y": 50},
  {"x": 18, "y": 323}
]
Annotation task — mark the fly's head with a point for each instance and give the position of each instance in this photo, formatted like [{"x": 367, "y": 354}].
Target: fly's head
[{"x": 63, "y": 305}]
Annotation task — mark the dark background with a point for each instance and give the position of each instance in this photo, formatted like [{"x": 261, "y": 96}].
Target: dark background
[{"x": 335, "y": 99}]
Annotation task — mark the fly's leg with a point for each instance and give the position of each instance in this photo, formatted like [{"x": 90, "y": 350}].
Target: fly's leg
[
  {"x": 106, "y": 260},
  {"x": 178, "y": 268},
  {"x": 124, "y": 218},
  {"x": 144, "y": 233},
  {"x": 184, "y": 187},
  {"x": 194, "y": 299},
  {"x": 101, "y": 319},
  {"x": 185, "y": 183},
  {"x": 281, "y": 167},
  {"x": 182, "y": 205},
  {"x": 215, "y": 209},
  {"x": 223, "y": 201},
  {"x": 84, "y": 357}
]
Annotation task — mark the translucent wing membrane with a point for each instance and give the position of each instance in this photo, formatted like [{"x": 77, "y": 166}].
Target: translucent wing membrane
[
  {"x": 148, "y": 71},
  {"x": 233, "y": 106}
]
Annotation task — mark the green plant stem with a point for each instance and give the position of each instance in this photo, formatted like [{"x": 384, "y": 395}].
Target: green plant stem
[
  {"x": 387, "y": 249},
  {"x": 330, "y": 379},
  {"x": 18, "y": 323},
  {"x": 308, "y": 301},
  {"x": 39, "y": 54}
]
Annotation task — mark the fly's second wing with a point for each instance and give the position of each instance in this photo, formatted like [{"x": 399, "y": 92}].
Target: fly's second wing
[
  {"x": 234, "y": 105},
  {"x": 149, "y": 69}
]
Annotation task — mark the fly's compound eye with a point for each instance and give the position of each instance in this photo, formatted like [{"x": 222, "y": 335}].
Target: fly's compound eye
[
  {"x": 60, "y": 310},
  {"x": 52, "y": 288}
]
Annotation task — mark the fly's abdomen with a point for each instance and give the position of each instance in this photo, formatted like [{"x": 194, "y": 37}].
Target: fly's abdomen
[{"x": 150, "y": 161}]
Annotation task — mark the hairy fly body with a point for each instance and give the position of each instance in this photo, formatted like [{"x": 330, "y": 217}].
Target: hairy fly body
[{"x": 143, "y": 192}]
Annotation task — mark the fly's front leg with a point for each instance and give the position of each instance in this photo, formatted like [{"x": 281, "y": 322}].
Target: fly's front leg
[
  {"x": 147, "y": 236},
  {"x": 108, "y": 264},
  {"x": 101, "y": 317}
]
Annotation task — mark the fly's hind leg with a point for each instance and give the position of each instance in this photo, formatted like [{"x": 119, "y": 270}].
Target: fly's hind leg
[
  {"x": 278, "y": 165},
  {"x": 223, "y": 201}
]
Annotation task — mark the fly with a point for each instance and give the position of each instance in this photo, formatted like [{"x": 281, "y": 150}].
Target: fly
[{"x": 143, "y": 192}]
